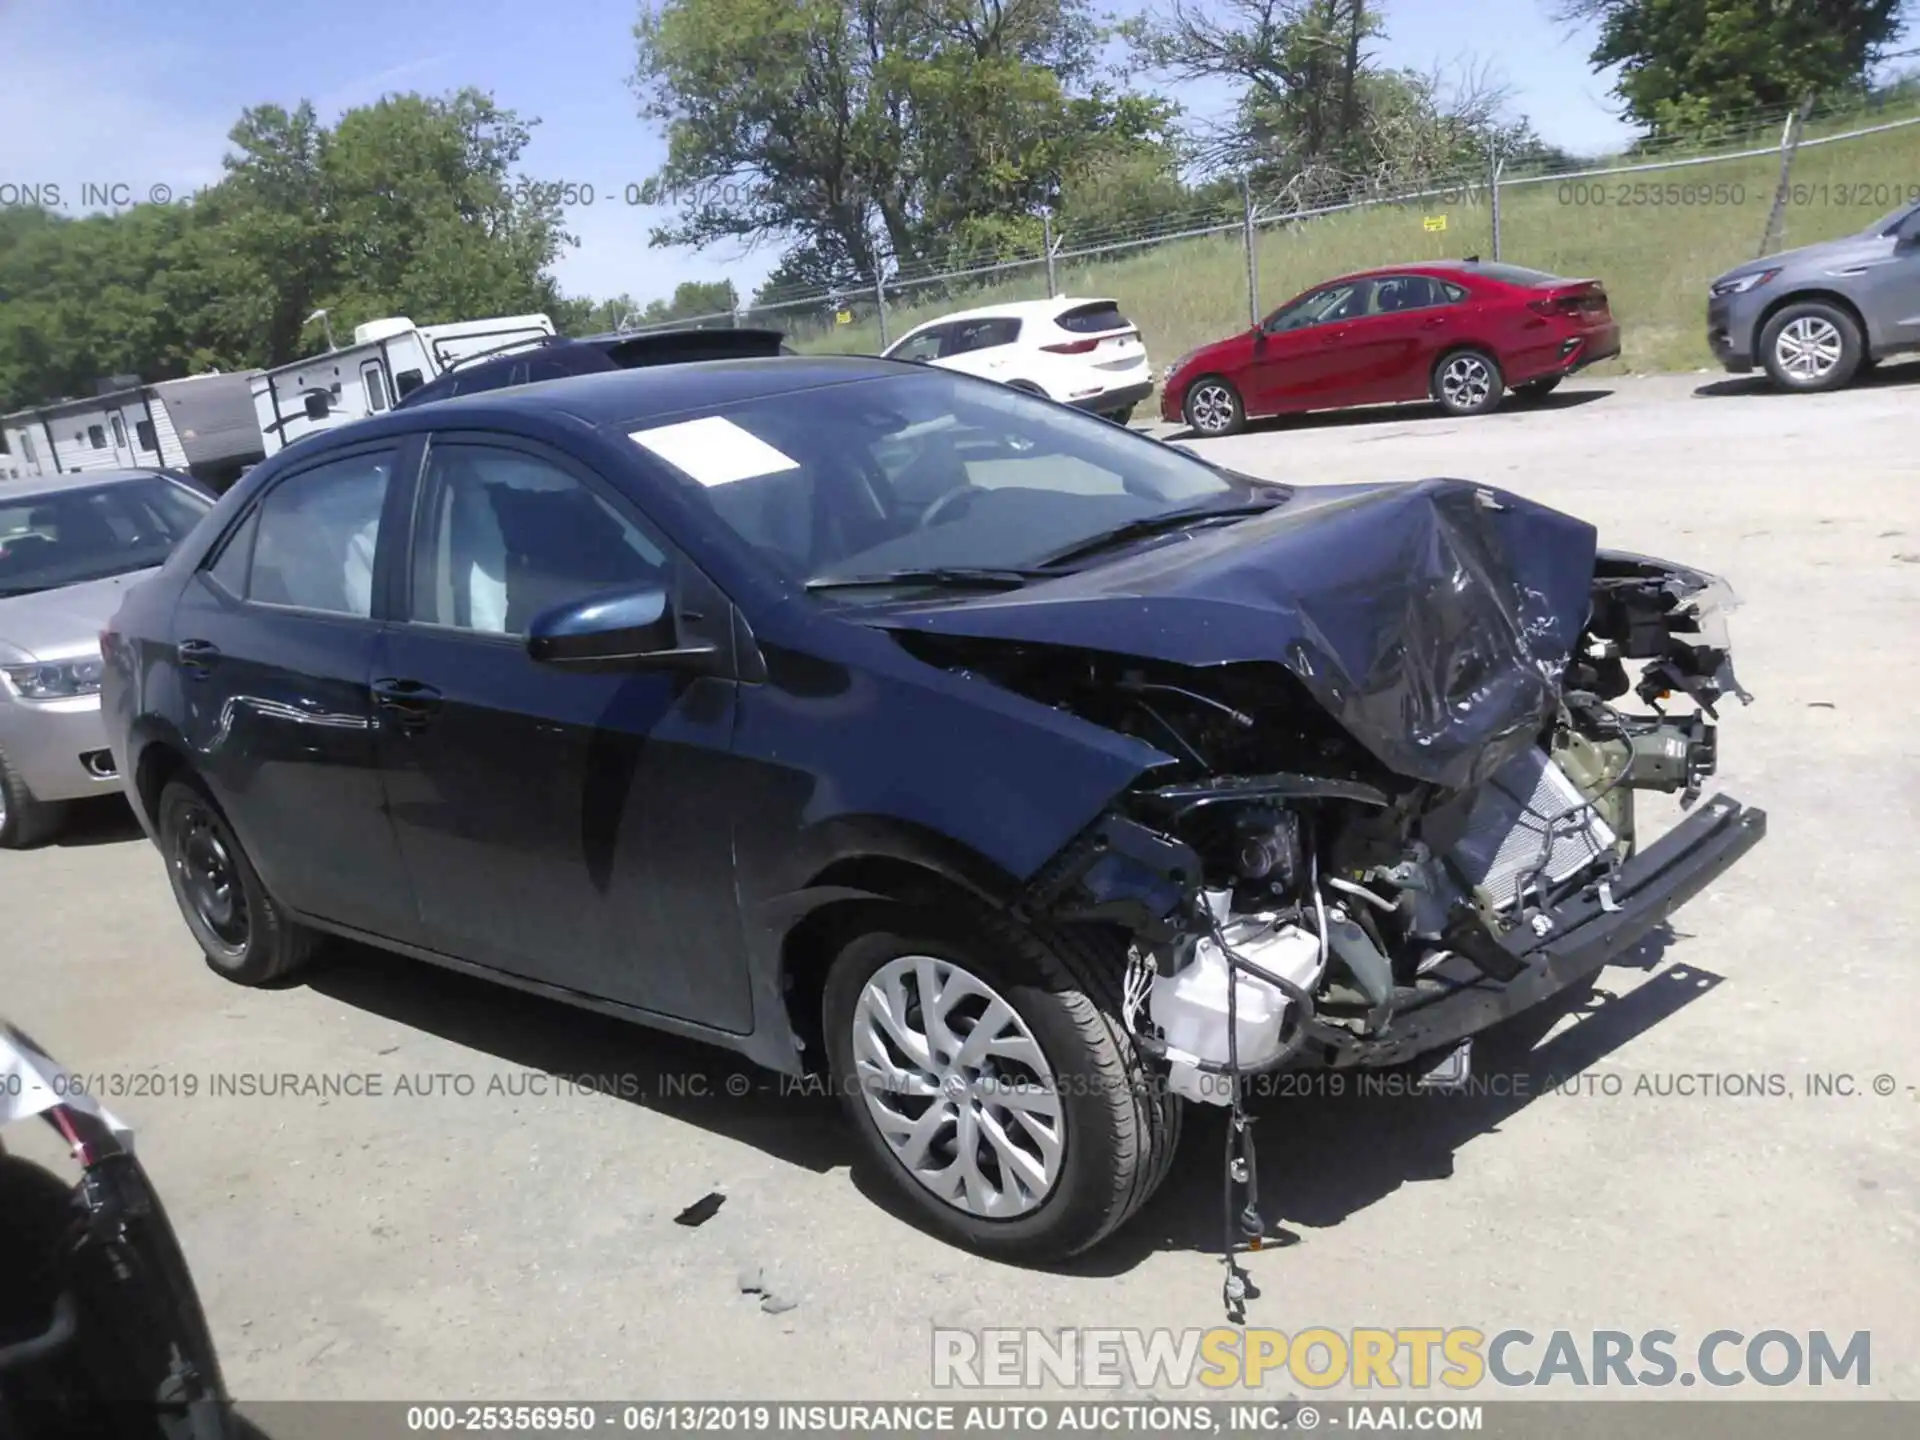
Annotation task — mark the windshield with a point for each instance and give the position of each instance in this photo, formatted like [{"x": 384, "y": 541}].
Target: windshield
[
  {"x": 927, "y": 470},
  {"x": 62, "y": 537}
]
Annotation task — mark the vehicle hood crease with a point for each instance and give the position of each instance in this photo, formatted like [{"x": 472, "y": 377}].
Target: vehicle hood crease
[{"x": 1433, "y": 620}]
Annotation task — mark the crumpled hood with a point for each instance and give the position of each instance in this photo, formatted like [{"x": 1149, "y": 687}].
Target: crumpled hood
[
  {"x": 1432, "y": 620},
  {"x": 59, "y": 624}
]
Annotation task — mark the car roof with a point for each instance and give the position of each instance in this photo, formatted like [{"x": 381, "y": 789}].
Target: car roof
[
  {"x": 31, "y": 485},
  {"x": 1021, "y": 310},
  {"x": 619, "y": 397}
]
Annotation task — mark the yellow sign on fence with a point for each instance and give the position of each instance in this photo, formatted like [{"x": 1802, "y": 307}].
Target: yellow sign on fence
[
  {"x": 844, "y": 317},
  {"x": 1435, "y": 222}
]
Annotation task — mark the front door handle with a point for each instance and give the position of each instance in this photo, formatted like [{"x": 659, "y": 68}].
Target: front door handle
[
  {"x": 196, "y": 655},
  {"x": 409, "y": 703}
]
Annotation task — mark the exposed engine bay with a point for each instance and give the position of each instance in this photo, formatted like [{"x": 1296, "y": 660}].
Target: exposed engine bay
[
  {"x": 1401, "y": 730},
  {"x": 1336, "y": 893}
]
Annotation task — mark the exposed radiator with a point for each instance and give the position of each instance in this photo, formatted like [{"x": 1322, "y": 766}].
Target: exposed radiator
[{"x": 1507, "y": 830}]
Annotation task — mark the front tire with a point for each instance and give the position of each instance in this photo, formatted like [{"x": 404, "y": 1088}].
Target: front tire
[
  {"x": 992, "y": 1080},
  {"x": 1811, "y": 347},
  {"x": 1213, "y": 407},
  {"x": 1468, "y": 382},
  {"x": 24, "y": 821},
  {"x": 246, "y": 937}
]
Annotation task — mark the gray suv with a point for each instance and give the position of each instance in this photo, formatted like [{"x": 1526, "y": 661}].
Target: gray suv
[{"x": 1816, "y": 316}]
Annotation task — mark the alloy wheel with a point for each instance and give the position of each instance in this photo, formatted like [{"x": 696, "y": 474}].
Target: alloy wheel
[
  {"x": 958, "y": 1088},
  {"x": 1466, "y": 381},
  {"x": 1211, "y": 409},
  {"x": 209, "y": 880},
  {"x": 1809, "y": 347}
]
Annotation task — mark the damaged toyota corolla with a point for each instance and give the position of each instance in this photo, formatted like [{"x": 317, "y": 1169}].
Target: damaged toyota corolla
[{"x": 1028, "y": 778}]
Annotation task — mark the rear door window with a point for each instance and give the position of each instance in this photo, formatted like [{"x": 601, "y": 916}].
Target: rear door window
[
  {"x": 971, "y": 335},
  {"x": 1394, "y": 293}
]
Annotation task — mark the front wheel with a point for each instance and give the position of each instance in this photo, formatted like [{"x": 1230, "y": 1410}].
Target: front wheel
[
  {"x": 1468, "y": 382},
  {"x": 1811, "y": 346},
  {"x": 245, "y": 935},
  {"x": 24, "y": 821},
  {"x": 992, "y": 1080},
  {"x": 1213, "y": 407}
]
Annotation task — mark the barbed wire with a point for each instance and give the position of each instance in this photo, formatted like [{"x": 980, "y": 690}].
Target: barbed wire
[{"x": 1300, "y": 199}]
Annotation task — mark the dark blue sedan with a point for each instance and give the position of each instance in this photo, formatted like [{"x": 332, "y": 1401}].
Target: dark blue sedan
[{"x": 1028, "y": 777}]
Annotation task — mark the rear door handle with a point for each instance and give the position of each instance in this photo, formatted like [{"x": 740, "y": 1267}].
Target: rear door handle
[
  {"x": 196, "y": 654},
  {"x": 409, "y": 702},
  {"x": 1434, "y": 324}
]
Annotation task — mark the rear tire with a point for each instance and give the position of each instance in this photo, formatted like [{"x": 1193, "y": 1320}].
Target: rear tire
[
  {"x": 1213, "y": 407},
  {"x": 1810, "y": 347},
  {"x": 1122, "y": 416},
  {"x": 25, "y": 821},
  {"x": 1099, "y": 1129},
  {"x": 245, "y": 936},
  {"x": 1468, "y": 382}
]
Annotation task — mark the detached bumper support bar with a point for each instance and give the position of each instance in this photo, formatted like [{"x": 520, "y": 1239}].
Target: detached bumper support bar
[{"x": 1585, "y": 934}]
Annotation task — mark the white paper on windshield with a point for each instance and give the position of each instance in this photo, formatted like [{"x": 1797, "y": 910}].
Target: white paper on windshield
[
  {"x": 713, "y": 450},
  {"x": 31, "y": 1084}
]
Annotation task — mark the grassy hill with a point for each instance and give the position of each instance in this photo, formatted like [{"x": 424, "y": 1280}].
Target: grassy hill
[{"x": 1655, "y": 238}]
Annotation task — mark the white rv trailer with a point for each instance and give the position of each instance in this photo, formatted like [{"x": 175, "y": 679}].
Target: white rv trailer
[
  {"x": 203, "y": 425},
  {"x": 387, "y": 361}
]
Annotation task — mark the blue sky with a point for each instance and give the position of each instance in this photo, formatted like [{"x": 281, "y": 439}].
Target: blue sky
[{"x": 142, "y": 94}]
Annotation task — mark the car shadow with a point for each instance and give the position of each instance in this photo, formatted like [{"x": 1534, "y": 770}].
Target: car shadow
[
  {"x": 1758, "y": 383},
  {"x": 1424, "y": 410},
  {"x": 685, "y": 1079},
  {"x": 103, "y": 820},
  {"x": 1322, "y": 1157},
  {"x": 1325, "y": 1157}
]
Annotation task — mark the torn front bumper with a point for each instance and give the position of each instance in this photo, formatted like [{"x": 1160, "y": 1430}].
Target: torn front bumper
[{"x": 1585, "y": 935}]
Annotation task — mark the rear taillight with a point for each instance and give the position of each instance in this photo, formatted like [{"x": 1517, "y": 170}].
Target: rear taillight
[
  {"x": 1569, "y": 305},
  {"x": 1072, "y": 347}
]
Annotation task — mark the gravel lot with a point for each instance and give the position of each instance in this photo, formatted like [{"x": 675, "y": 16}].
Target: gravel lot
[{"x": 505, "y": 1244}]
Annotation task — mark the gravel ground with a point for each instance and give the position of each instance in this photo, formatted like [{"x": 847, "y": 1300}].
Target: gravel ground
[{"x": 501, "y": 1235}]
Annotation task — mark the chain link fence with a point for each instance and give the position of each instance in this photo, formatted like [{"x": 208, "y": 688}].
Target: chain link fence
[{"x": 1654, "y": 223}]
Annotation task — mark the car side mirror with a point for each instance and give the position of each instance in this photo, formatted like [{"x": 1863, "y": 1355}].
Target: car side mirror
[{"x": 616, "y": 629}]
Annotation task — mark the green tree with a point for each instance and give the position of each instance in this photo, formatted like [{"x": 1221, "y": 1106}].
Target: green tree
[
  {"x": 1316, "y": 116},
  {"x": 1685, "y": 64},
  {"x": 692, "y": 300},
  {"x": 871, "y": 135},
  {"x": 410, "y": 206}
]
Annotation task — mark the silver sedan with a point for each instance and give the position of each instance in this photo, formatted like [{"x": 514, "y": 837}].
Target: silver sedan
[{"x": 69, "y": 546}]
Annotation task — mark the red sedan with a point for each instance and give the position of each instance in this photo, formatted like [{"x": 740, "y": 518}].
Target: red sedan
[{"x": 1456, "y": 332}]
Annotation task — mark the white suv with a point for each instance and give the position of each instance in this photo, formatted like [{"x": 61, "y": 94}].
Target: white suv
[{"x": 1083, "y": 353}]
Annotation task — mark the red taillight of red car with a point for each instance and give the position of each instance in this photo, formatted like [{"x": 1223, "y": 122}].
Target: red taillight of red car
[{"x": 1580, "y": 303}]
